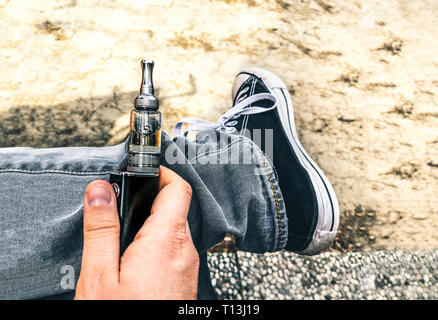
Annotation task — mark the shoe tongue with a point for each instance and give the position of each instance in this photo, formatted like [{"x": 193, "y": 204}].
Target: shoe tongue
[{"x": 260, "y": 87}]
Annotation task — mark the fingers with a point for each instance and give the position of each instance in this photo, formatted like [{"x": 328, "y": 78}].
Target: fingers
[
  {"x": 171, "y": 206},
  {"x": 101, "y": 231}
]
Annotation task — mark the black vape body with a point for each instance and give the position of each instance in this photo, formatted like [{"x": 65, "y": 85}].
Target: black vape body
[{"x": 135, "y": 194}]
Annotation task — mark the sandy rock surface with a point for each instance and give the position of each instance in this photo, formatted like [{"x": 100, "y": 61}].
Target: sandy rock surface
[{"x": 363, "y": 76}]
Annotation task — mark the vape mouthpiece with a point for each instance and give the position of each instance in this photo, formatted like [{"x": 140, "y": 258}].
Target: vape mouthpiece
[
  {"x": 146, "y": 99},
  {"x": 147, "y": 85}
]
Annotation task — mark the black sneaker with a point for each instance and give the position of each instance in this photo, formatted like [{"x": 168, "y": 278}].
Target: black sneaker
[{"x": 311, "y": 205}]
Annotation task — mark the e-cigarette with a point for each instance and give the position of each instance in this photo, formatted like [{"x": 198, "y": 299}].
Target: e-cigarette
[{"x": 137, "y": 187}]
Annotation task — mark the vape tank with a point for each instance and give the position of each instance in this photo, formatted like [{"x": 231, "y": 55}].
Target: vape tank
[{"x": 137, "y": 187}]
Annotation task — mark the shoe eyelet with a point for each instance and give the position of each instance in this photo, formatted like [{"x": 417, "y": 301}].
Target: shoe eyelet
[
  {"x": 231, "y": 123},
  {"x": 230, "y": 129}
]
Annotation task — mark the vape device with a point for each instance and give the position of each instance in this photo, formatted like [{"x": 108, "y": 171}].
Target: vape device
[{"x": 137, "y": 187}]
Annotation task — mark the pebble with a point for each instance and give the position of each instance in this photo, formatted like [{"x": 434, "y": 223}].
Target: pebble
[{"x": 394, "y": 274}]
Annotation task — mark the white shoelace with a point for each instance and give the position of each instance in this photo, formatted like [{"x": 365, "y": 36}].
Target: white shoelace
[{"x": 225, "y": 121}]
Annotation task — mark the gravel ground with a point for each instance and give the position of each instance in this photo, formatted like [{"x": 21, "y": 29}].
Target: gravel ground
[{"x": 359, "y": 275}]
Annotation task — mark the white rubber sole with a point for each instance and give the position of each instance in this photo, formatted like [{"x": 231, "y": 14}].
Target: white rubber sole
[{"x": 328, "y": 207}]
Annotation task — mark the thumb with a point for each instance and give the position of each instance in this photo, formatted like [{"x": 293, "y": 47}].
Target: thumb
[{"x": 101, "y": 231}]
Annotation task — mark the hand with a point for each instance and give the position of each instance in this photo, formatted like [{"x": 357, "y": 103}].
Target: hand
[{"x": 161, "y": 262}]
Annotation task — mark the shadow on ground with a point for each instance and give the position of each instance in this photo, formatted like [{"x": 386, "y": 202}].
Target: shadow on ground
[{"x": 82, "y": 122}]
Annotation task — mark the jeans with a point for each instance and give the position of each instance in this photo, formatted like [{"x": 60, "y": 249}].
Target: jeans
[{"x": 41, "y": 206}]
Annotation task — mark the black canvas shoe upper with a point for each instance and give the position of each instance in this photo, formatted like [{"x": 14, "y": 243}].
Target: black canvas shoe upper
[{"x": 295, "y": 183}]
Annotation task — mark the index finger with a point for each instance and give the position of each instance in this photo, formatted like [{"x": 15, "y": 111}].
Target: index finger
[
  {"x": 167, "y": 177},
  {"x": 171, "y": 206}
]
